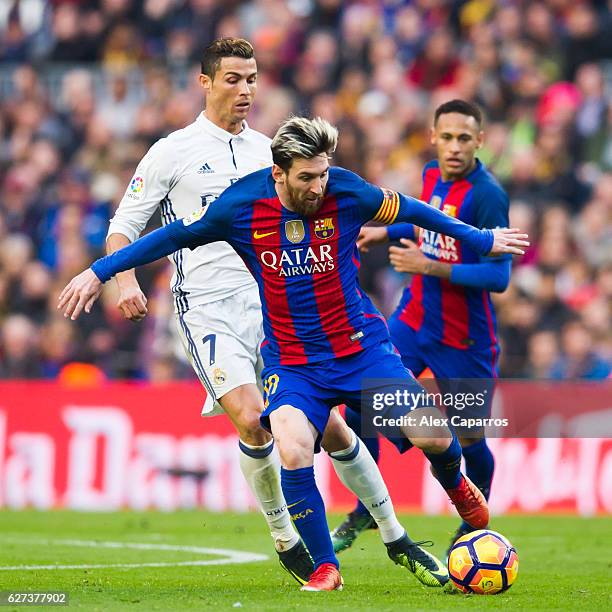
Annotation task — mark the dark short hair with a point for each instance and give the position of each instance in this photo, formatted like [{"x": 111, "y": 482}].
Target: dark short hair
[
  {"x": 224, "y": 47},
  {"x": 459, "y": 106}
]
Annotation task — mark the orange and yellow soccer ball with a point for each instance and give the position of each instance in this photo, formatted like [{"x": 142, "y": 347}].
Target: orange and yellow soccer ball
[{"x": 483, "y": 562}]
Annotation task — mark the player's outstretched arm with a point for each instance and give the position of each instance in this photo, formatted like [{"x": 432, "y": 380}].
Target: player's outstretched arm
[
  {"x": 83, "y": 290},
  {"x": 387, "y": 207},
  {"x": 484, "y": 242}
]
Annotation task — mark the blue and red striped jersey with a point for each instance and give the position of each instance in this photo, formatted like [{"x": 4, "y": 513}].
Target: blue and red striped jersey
[
  {"x": 306, "y": 267},
  {"x": 434, "y": 307}
]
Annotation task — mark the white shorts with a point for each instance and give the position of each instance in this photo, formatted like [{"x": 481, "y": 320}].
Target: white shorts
[{"x": 222, "y": 341}]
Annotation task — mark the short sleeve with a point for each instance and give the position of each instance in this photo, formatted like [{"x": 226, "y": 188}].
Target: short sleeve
[{"x": 150, "y": 184}]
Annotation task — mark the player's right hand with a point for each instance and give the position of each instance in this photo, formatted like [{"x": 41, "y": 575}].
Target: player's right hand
[
  {"x": 80, "y": 293},
  {"x": 371, "y": 235},
  {"x": 132, "y": 301}
]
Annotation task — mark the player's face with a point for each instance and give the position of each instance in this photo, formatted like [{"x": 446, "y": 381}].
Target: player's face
[
  {"x": 229, "y": 96},
  {"x": 305, "y": 184},
  {"x": 456, "y": 137}
]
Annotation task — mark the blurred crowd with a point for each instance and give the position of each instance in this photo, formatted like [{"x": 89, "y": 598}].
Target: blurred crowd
[{"x": 86, "y": 86}]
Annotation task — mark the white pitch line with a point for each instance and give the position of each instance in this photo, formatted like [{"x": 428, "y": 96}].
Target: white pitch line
[{"x": 228, "y": 556}]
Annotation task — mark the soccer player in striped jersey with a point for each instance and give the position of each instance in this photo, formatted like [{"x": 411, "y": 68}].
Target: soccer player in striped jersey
[
  {"x": 445, "y": 320},
  {"x": 217, "y": 306},
  {"x": 216, "y": 303},
  {"x": 295, "y": 226}
]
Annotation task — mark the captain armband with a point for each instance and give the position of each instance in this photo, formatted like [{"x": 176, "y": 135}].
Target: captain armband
[{"x": 389, "y": 207}]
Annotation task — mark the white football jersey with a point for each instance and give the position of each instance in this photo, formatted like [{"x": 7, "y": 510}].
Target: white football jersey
[{"x": 181, "y": 173}]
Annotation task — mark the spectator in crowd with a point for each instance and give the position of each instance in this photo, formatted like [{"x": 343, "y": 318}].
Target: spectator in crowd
[{"x": 578, "y": 359}]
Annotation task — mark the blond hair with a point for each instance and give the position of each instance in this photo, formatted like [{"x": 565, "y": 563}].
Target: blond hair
[{"x": 302, "y": 137}]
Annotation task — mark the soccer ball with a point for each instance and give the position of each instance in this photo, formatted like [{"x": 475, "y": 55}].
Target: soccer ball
[{"x": 482, "y": 562}]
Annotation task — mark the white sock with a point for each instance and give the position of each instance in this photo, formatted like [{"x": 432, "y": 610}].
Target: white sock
[
  {"x": 360, "y": 474},
  {"x": 261, "y": 468}
]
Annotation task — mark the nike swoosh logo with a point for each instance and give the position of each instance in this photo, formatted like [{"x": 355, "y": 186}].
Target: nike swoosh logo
[
  {"x": 257, "y": 235},
  {"x": 296, "y": 503}
]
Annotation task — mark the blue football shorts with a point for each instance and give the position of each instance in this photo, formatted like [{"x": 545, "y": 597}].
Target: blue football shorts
[
  {"x": 456, "y": 371},
  {"x": 316, "y": 388}
]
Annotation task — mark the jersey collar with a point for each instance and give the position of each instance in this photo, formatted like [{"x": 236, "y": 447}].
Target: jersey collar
[
  {"x": 214, "y": 130},
  {"x": 479, "y": 167}
]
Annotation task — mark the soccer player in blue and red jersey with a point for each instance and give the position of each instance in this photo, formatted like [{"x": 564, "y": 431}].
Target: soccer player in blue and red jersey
[
  {"x": 445, "y": 320},
  {"x": 295, "y": 226}
]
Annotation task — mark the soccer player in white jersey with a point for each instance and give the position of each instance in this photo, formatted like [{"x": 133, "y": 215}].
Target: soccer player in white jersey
[{"x": 217, "y": 304}]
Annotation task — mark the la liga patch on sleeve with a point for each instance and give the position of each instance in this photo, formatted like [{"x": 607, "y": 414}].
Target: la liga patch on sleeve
[{"x": 136, "y": 188}]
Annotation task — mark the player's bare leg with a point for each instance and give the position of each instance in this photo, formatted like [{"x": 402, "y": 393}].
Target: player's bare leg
[
  {"x": 443, "y": 450},
  {"x": 295, "y": 438},
  {"x": 359, "y": 473},
  {"x": 261, "y": 469}
]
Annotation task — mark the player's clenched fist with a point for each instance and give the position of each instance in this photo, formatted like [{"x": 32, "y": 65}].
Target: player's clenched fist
[
  {"x": 508, "y": 240},
  {"x": 409, "y": 258},
  {"x": 80, "y": 294},
  {"x": 369, "y": 236},
  {"x": 132, "y": 301}
]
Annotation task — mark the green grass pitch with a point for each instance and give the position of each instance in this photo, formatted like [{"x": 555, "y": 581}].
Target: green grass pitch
[{"x": 565, "y": 563}]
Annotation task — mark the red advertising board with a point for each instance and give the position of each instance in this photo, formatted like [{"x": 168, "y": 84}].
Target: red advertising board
[{"x": 140, "y": 446}]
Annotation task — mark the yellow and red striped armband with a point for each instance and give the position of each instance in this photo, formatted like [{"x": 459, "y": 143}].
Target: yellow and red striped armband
[{"x": 389, "y": 208}]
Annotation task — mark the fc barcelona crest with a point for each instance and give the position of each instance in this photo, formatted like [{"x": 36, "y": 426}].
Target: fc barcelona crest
[
  {"x": 294, "y": 230},
  {"x": 450, "y": 210},
  {"x": 324, "y": 228}
]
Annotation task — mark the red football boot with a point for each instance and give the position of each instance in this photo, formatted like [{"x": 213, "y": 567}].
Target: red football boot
[
  {"x": 325, "y": 578},
  {"x": 470, "y": 503}
]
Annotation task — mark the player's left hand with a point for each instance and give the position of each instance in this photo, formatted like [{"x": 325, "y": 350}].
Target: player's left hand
[
  {"x": 80, "y": 294},
  {"x": 508, "y": 240},
  {"x": 408, "y": 258}
]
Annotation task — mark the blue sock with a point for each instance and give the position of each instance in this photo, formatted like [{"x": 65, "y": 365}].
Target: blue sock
[
  {"x": 353, "y": 420},
  {"x": 447, "y": 465},
  {"x": 479, "y": 467},
  {"x": 307, "y": 511}
]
